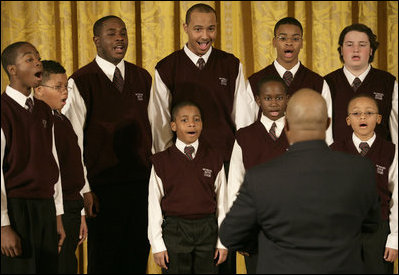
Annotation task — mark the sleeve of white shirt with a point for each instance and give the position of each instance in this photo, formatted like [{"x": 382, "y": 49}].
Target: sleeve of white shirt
[
  {"x": 236, "y": 174},
  {"x": 242, "y": 113},
  {"x": 58, "y": 200},
  {"x": 393, "y": 119},
  {"x": 392, "y": 240},
  {"x": 254, "y": 105},
  {"x": 75, "y": 110},
  {"x": 326, "y": 94},
  {"x": 221, "y": 197},
  {"x": 155, "y": 218},
  {"x": 159, "y": 115},
  {"x": 4, "y": 210}
]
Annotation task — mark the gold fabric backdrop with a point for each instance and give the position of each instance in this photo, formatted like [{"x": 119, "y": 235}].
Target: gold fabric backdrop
[{"x": 62, "y": 30}]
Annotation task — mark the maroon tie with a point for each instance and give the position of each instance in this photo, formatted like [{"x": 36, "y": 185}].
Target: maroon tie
[
  {"x": 287, "y": 77},
  {"x": 364, "y": 147},
  {"x": 272, "y": 131},
  {"x": 201, "y": 63},
  {"x": 118, "y": 80},
  {"x": 356, "y": 84},
  {"x": 189, "y": 150},
  {"x": 29, "y": 104}
]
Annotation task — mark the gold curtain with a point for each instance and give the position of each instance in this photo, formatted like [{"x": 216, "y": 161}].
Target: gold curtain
[{"x": 62, "y": 30}]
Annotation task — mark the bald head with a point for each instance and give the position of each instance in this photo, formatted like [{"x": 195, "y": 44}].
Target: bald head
[{"x": 306, "y": 115}]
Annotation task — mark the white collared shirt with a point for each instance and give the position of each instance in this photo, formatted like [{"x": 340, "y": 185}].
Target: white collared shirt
[
  {"x": 392, "y": 240},
  {"x": 237, "y": 168},
  {"x": 156, "y": 193},
  {"x": 58, "y": 200},
  {"x": 161, "y": 98},
  {"x": 75, "y": 108},
  {"x": 393, "y": 117},
  {"x": 181, "y": 145}
]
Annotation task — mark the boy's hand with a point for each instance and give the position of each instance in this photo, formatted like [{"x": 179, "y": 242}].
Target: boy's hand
[
  {"x": 60, "y": 232},
  {"x": 10, "y": 242},
  {"x": 83, "y": 230},
  {"x": 162, "y": 259},
  {"x": 222, "y": 255},
  {"x": 91, "y": 203},
  {"x": 390, "y": 254}
]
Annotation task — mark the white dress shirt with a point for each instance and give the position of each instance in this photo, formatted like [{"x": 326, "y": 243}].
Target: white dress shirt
[
  {"x": 393, "y": 117},
  {"x": 161, "y": 98},
  {"x": 156, "y": 193},
  {"x": 237, "y": 168},
  {"x": 392, "y": 240},
  {"x": 326, "y": 94},
  {"x": 21, "y": 100},
  {"x": 75, "y": 107}
]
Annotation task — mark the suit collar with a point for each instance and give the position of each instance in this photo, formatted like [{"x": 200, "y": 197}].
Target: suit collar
[{"x": 309, "y": 145}]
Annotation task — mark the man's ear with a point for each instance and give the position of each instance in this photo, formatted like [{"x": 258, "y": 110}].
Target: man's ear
[
  {"x": 96, "y": 40},
  {"x": 38, "y": 92},
  {"x": 12, "y": 69}
]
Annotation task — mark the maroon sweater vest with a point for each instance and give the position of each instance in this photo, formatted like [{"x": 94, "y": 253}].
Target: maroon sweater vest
[
  {"x": 189, "y": 185},
  {"x": 378, "y": 84},
  {"x": 117, "y": 133},
  {"x": 30, "y": 170},
  {"x": 69, "y": 158},
  {"x": 304, "y": 78},
  {"x": 381, "y": 153},
  {"x": 212, "y": 88},
  {"x": 257, "y": 146}
]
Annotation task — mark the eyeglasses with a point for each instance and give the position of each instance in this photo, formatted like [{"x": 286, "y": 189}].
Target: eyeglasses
[
  {"x": 294, "y": 39},
  {"x": 59, "y": 89},
  {"x": 359, "y": 114}
]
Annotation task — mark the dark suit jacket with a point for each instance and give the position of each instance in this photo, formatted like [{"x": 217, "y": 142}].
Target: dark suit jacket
[{"x": 310, "y": 206}]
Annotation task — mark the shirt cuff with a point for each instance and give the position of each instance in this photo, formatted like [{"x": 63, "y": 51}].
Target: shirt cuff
[
  {"x": 219, "y": 244},
  {"x": 4, "y": 219},
  {"x": 158, "y": 246},
  {"x": 392, "y": 241}
]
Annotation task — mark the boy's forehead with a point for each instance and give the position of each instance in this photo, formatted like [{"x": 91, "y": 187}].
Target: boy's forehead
[
  {"x": 113, "y": 23},
  {"x": 272, "y": 86},
  {"x": 288, "y": 29},
  {"x": 363, "y": 102},
  {"x": 26, "y": 49},
  {"x": 188, "y": 110},
  {"x": 200, "y": 18},
  {"x": 356, "y": 35}
]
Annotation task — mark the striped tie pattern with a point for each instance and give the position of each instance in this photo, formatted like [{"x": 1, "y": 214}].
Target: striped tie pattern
[
  {"x": 287, "y": 77},
  {"x": 364, "y": 147},
  {"x": 189, "y": 150},
  {"x": 118, "y": 80},
  {"x": 356, "y": 84},
  {"x": 272, "y": 132},
  {"x": 201, "y": 63},
  {"x": 29, "y": 104}
]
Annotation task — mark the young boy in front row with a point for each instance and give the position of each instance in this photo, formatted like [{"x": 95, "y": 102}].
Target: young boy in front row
[
  {"x": 53, "y": 90},
  {"x": 186, "y": 202},
  {"x": 380, "y": 249},
  {"x": 259, "y": 142},
  {"x": 31, "y": 194}
]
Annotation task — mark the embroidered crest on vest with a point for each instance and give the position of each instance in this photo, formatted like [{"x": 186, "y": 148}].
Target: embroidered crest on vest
[
  {"x": 223, "y": 81},
  {"x": 44, "y": 122},
  {"x": 380, "y": 169},
  {"x": 140, "y": 96},
  {"x": 207, "y": 172},
  {"x": 378, "y": 96}
]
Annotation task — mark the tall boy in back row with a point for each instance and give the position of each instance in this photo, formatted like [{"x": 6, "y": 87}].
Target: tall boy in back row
[
  {"x": 380, "y": 249},
  {"x": 288, "y": 41},
  {"x": 31, "y": 194},
  {"x": 357, "y": 46},
  {"x": 53, "y": 90}
]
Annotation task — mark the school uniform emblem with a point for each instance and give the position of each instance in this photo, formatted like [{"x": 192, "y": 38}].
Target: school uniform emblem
[
  {"x": 44, "y": 122},
  {"x": 223, "y": 81},
  {"x": 380, "y": 169},
  {"x": 378, "y": 96},
  {"x": 140, "y": 96},
  {"x": 207, "y": 172}
]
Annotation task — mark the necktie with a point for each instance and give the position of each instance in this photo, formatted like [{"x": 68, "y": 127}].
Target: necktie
[
  {"x": 288, "y": 78},
  {"x": 189, "y": 150},
  {"x": 356, "y": 84},
  {"x": 272, "y": 131},
  {"x": 364, "y": 147},
  {"x": 201, "y": 63},
  {"x": 29, "y": 104},
  {"x": 118, "y": 80}
]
